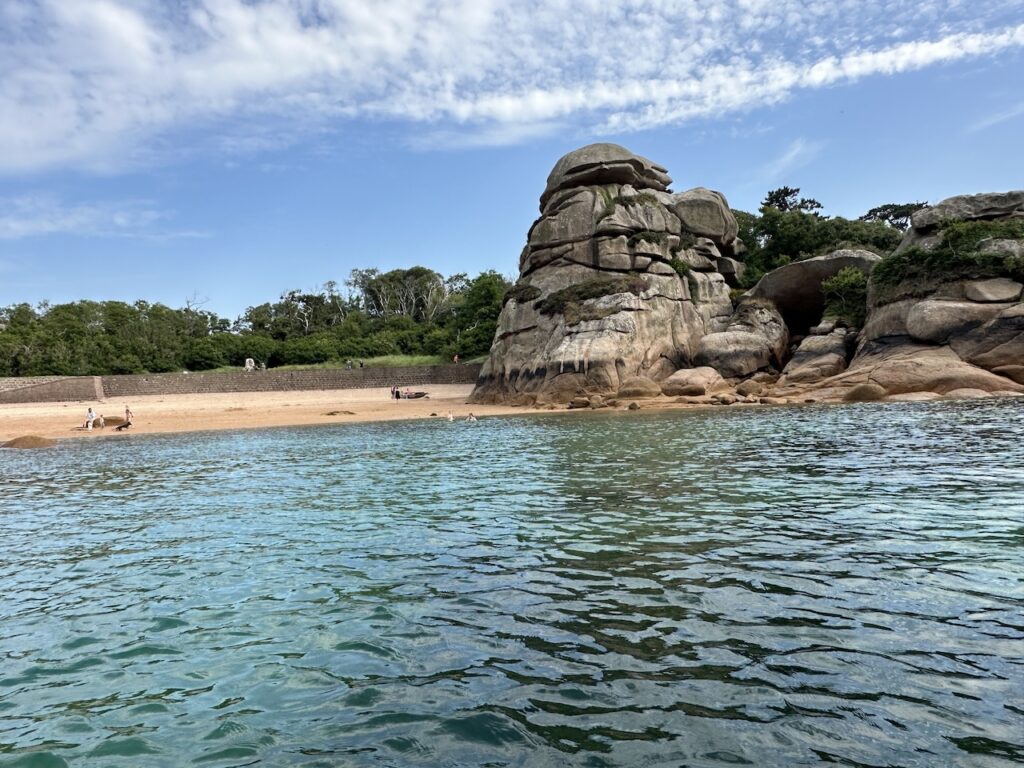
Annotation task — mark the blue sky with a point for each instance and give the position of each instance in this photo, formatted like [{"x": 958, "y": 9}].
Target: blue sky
[{"x": 227, "y": 151}]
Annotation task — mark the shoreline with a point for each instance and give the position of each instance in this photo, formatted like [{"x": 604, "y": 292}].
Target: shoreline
[
  {"x": 168, "y": 414},
  {"x": 227, "y": 411},
  {"x": 171, "y": 414}
]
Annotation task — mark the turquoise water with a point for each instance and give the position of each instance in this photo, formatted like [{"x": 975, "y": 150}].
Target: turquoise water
[{"x": 783, "y": 587}]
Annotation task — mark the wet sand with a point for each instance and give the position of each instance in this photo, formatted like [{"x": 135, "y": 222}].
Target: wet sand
[{"x": 240, "y": 410}]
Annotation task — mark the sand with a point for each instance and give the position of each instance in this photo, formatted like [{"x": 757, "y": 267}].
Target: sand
[{"x": 244, "y": 410}]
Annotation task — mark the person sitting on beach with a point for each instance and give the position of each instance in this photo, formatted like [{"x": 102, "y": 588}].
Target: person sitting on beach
[
  {"x": 471, "y": 417},
  {"x": 90, "y": 417}
]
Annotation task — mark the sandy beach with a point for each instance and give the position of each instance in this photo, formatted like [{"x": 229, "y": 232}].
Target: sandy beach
[{"x": 246, "y": 410}]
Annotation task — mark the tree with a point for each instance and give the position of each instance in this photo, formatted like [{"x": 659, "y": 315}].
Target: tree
[
  {"x": 784, "y": 199},
  {"x": 896, "y": 215}
]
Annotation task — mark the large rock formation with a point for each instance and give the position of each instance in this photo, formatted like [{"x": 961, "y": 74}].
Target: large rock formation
[
  {"x": 958, "y": 325},
  {"x": 612, "y": 283},
  {"x": 624, "y": 290}
]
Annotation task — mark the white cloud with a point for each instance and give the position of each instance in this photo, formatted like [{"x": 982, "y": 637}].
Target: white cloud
[
  {"x": 106, "y": 83},
  {"x": 40, "y": 215}
]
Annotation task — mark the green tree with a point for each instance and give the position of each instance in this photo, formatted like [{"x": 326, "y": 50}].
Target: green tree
[
  {"x": 785, "y": 199},
  {"x": 894, "y": 214}
]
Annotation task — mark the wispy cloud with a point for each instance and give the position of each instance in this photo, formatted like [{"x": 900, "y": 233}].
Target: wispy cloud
[
  {"x": 103, "y": 83},
  {"x": 799, "y": 153},
  {"x": 1000, "y": 116},
  {"x": 40, "y": 215}
]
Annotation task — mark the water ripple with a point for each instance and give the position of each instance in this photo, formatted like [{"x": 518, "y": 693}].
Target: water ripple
[{"x": 775, "y": 588}]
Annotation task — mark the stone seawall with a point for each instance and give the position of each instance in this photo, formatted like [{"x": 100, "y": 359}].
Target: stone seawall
[
  {"x": 89, "y": 388},
  {"x": 53, "y": 390}
]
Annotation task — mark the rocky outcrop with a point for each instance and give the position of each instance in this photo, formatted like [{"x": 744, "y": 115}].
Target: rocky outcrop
[
  {"x": 755, "y": 339},
  {"x": 904, "y": 366},
  {"x": 623, "y": 291},
  {"x": 991, "y": 205},
  {"x": 601, "y": 164},
  {"x": 924, "y": 224},
  {"x": 612, "y": 284},
  {"x": 796, "y": 287},
  {"x": 688, "y": 380},
  {"x": 818, "y": 357}
]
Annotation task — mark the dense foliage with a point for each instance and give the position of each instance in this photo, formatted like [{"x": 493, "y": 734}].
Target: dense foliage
[
  {"x": 402, "y": 312},
  {"x": 960, "y": 253},
  {"x": 846, "y": 297},
  {"x": 788, "y": 228}
]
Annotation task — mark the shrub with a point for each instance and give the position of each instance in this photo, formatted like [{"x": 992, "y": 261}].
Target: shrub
[
  {"x": 610, "y": 201},
  {"x": 521, "y": 292},
  {"x": 846, "y": 296},
  {"x": 917, "y": 272},
  {"x": 658, "y": 238},
  {"x": 591, "y": 289}
]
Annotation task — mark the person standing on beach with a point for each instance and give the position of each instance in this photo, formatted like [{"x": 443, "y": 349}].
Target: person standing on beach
[{"x": 128, "y": 416}]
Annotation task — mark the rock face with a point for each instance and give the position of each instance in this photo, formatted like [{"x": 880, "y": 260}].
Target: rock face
[
  {"x": 612, "y": 284},
  {"x": 599, "y": 164},
  {"x": 796, "y": 287},
  {"x": 755, "y": 339},
  {"x": 991, "y": 205},
  {"x": 940, "y": 336},
  {"x": 623, "y": 290},
  {"x": 817, "y": 358}
]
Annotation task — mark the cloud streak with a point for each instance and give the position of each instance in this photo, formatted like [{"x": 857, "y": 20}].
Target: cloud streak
[
  {"x": 41, "y": 215},
  {"x": 102, "y": 84},
  {"x": 1014, "y": 111}
]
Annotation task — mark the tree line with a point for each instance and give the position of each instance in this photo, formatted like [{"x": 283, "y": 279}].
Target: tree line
[{"x": 414, "y": 311}]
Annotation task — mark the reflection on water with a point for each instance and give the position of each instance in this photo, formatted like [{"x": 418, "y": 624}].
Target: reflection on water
[{"x": 773, "y": 588}]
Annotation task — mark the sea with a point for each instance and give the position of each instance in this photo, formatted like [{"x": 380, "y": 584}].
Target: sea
[{"x": 793, "y": 586}]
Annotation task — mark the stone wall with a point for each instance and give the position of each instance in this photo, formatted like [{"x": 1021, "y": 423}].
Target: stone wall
[
  {"x": 52, "y": 390},
  {"x": 84, "y": 387},
  {"x": 8, "y": 383}
]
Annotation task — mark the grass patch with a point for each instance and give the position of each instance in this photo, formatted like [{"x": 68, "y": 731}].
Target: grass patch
[
  {"x": 684, "y": 270},
  {"x": 658, "y": 238},
  {"x": 558, "y": 301},
  {"x": 610, "y": 201},
  {"x": 521, "y": 292},
  {"x": 917, "y": 272}
]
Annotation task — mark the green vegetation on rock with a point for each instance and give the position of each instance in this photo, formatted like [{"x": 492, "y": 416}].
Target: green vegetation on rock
[
  {"x": 610, "y": 201},
  {"x": 846, "y": 297},
  {"x": 567, "y": 301},
  {"x": 521, "y": 292},
  {"x": 658, "y": 238},
  {"x": 958, "y": 255},
  {"x": 787, "y": 228}
]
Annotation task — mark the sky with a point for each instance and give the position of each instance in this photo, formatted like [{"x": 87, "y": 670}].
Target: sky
[{"x": 223, "y": 152}]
